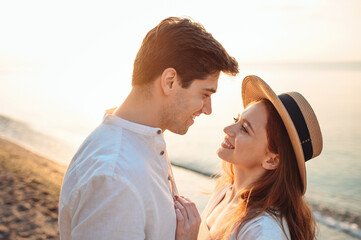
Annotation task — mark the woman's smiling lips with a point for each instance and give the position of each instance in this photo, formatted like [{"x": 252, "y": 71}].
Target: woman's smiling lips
[{"x": 227, "y": 144}]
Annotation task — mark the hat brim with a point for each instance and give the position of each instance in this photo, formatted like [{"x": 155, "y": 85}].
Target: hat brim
[{"x": 253, "y": 89}]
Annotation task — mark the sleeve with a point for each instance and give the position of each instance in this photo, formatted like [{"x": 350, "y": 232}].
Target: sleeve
[
  {"x": 108, "y": 208},
  {"x": 262, "y": 228}
]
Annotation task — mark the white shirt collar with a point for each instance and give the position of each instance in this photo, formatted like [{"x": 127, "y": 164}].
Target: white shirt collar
[{"x": 134, "y": 127}]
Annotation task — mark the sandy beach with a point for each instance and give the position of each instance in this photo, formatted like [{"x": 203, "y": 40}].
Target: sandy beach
[
  {"x": 30, "y": 187},
  {"x": 29, "y": 192}
]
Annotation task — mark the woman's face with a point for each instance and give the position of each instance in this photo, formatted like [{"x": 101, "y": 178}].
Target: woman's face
[{"x": 245, "y": 144}]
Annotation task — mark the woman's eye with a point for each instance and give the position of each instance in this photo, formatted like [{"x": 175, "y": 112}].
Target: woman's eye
[
  {"x": 244, "y": 129},
  {"x": 235, "y": 119}
]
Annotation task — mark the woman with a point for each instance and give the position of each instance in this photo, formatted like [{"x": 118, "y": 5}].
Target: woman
[{"x": 260, "y": 193}]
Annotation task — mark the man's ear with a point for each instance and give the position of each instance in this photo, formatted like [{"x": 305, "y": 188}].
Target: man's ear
[
  {"x": 168, "y": 80},
  {"x": 271, "y": 162}
]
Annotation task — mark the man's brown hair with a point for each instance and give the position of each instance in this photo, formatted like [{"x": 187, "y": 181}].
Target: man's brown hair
[{"x": 185, "y": 46}]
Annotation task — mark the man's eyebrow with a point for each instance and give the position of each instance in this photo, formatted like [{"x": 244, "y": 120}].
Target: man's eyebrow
[{"x": 212, "y": 90}]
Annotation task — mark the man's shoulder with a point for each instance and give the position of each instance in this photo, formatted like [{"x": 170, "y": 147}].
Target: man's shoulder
[
  {"x": 106, "y": 152},
  {"x": 105, "y": 145},
  {"x": 112, "y": 163},
  {"x": 108, "y": 139},
  {"x": 103, "y": 172}
]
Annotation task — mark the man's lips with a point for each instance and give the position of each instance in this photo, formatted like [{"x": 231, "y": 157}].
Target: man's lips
[
  {"x": 194, "y": 117},
  {"x": 227, "y": 144}
]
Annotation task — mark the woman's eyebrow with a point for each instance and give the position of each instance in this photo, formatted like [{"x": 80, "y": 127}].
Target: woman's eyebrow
[
  {"x": 249, "y": 124},
  {"x": 246, "y": 121}
]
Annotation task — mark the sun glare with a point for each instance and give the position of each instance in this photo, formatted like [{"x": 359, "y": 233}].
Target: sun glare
[{"x": 78, "y": 60}]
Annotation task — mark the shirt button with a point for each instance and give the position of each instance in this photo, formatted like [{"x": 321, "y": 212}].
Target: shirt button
[
  {"x": 159, "y": 131},
  {"x": 168, "y": 178},
  {"x": 162, "y": 152}
]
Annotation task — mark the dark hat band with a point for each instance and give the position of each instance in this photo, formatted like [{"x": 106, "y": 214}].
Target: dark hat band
[{"x": 300, "y": 124}]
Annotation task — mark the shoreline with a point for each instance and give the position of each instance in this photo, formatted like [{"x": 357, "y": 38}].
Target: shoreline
[{"x": 30, "y": 187}]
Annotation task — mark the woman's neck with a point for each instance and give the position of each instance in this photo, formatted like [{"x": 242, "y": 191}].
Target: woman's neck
[{"x": 244, "y": 179}]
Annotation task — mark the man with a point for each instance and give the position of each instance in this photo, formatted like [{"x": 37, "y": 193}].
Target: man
[{"x": 117, "y": 185}]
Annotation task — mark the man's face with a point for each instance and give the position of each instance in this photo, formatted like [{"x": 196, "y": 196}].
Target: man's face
[{"x": 187, "y": 104}]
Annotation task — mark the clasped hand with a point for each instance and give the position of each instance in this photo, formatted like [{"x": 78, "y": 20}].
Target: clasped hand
[{"x": 188, "y": 219}]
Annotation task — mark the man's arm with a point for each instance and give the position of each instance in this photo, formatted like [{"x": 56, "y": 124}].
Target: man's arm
[{"x": 108, "y": 208}]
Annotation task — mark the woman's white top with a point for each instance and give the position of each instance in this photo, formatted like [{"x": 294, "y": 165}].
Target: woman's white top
[{"x": 264, "y": 226}]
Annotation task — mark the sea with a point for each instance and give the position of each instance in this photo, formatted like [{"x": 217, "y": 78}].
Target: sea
[{"x": 333, "y": 90}]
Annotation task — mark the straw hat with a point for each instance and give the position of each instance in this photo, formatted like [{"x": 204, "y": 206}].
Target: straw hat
[{"x": 297, "y": 115}]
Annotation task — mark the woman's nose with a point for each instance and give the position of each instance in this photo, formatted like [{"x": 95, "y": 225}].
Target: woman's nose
[{"x": 229, "y": 130}]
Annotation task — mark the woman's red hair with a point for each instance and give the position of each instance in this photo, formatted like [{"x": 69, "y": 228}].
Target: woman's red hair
[{"x": 278, "y": 192}]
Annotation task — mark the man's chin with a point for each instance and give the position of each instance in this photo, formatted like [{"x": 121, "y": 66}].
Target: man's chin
[{"x": 179, "y": 131}]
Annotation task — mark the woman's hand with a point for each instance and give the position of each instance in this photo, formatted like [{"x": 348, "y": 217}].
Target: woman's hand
[{"x": 188, "y": 219}]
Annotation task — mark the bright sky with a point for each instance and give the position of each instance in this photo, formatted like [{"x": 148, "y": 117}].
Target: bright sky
[
  {"x": 67, "y": 58},
  {"x": 59, "y": 31}
]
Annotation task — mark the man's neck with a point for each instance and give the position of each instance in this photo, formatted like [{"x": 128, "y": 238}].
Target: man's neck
[{"x": 139, "y": 108}]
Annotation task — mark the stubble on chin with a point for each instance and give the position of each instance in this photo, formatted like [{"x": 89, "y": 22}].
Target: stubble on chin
[
  {"x": 168, "y": 120},
  {"x": 171, "y": 116},
  {"x": 176, "y": 126}
]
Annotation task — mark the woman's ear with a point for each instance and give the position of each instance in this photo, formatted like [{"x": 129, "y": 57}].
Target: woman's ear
[
  {"x": 168, "y": 80},
  {"x": 271, "y": 162}
]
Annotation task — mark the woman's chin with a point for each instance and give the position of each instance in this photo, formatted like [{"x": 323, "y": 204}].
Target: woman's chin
[
  {"x": 218, "y": 150},
  {"x": 220, "y": 153}
]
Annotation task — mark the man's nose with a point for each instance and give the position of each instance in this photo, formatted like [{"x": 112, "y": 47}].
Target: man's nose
[{"x": 207, "y": 106}]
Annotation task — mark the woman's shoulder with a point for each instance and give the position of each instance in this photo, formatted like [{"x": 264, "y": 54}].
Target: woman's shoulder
[
  {"x": 264, "y": 226},
  {"x": 216, "y": 197}
]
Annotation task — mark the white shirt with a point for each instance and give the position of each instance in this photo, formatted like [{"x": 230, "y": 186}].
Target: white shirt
[
  {"x": 262, "y": 227},
  {"x": 116, "y": 186}
]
